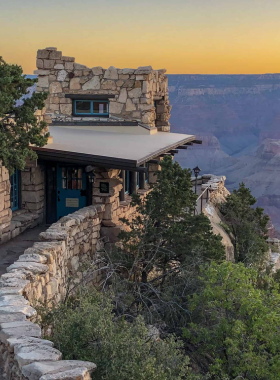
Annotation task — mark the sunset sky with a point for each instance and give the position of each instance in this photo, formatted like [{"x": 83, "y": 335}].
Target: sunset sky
[{"x": 183, "y": 36}]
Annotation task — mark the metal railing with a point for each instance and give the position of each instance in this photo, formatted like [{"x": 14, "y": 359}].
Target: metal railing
[{"x": 201, "y": 199}]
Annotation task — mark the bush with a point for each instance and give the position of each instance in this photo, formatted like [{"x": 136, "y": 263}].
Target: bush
[
  {"x": 86, "y": 328},
  {"x": 237, "y": 323}
]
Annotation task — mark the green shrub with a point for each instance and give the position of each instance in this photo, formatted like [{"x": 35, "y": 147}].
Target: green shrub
[{"x": 86, "y": 328}]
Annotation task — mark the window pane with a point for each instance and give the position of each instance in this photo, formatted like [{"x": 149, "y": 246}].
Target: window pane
[
  {"x": 64, "y": 183},
  {"x": 74, "y": 173},
  {"x": 80, "y": 173},
  {"x": 100, "y": 107},
  {"x": 83, "y": 106},
  {"x": 64, "y": 175},
  {"x": 74, "y": 184},
  {"x": 79, "y": 184}
]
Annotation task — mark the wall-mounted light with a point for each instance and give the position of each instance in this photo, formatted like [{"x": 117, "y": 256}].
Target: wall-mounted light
[{"x": 90, "y": 177}]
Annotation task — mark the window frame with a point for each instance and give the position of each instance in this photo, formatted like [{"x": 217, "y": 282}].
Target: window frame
[
  {"x": 15, "y": 191},
  {"x": 75, "y": 113}
]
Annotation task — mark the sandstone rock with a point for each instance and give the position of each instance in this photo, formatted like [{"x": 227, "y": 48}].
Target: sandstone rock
[
  {"x": 135, "y": 93},
  {"x": 55, "y": 87},
  {"x": 12, "y": 317},
  {"x": 75, "y": 84},
  {"x": 68, "y": 59},
  {"x": 43, "y": 81},
  {"x": 97, "y": 70},
  {"x": 143, "y": 70},
  {"x": 128, "y": 71},
  {"x": 35, "y": 370},
  {"x": 59, "y": 66},
  {"x": 43, "y": 54},
  {"x": 41, "y": 72},
  {"x": 27, "y": 354},
  {"x": 111, "y": 73},
  {"x": 40, "y": 63},
  {"x": 13, "y": 299},
  {"x": 130, "y": 106},
  {"x": 69, "y": 66},
  {"x": 20, "y": 329},
  {"x": 27, "y": 340},
  {"x": 61, "y": 75},
  {"x": 66, "y": 109},
  {"x": 49, "y": 63},
  {"x": 115, "y": 108},
  {"x": 55, "y": 54},
  {"x": 13, "y": 283},
  {"x": 92, "y": 84},
  {"x": 123, "y": 96},
  {"x": 30, "y": 266},
  {"x": 78, "y": 66},
  {"x": 109, "y": 85},
  {"x": 73, "y": 374},
  {"x": 24, "y": 309},
  {"x": 32, "y": 257}
]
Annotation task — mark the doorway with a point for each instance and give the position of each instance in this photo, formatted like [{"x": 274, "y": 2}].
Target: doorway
[{"x": 71, "y": 189}]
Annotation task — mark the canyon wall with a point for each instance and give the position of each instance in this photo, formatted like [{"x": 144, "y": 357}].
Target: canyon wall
[{"x": 238, "y": 119}]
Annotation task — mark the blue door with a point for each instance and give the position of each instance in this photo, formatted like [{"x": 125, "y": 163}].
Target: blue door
[{"x": 71, "y": 189}]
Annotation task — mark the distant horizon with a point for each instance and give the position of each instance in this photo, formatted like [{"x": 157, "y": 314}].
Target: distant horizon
[{"x": 210, "y": 37}]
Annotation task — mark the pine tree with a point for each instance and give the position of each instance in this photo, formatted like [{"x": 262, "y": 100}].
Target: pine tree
[{"x": 19, "y": 127}]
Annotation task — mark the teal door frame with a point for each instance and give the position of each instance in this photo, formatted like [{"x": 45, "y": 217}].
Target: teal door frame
[{"x": 71, "y": 189}]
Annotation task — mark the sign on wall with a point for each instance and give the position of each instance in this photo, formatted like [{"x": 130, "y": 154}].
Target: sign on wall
[
  {"x": 104, "y": 187},
  {"x": 72, "y": 202}
]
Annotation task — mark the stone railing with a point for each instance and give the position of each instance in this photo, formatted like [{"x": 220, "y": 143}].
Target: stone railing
[{"x": 41, "y": 274}]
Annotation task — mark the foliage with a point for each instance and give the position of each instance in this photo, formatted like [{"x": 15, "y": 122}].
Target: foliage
[
  {"x": 247, "y": 226},
  {"x": 237, "y": 319},
  {"x": 86, "y": 328},
  {"x": 154, "y": 268},
  {"x": 19, "y": 126}
]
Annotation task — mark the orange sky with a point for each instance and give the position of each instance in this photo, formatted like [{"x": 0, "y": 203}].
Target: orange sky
[{"x": 183, "y": 36}]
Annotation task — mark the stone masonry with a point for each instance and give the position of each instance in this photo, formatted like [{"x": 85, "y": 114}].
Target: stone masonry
[
  {"x": 140, "y": 94},
  {"x": 41, "y": 274},
  {"x": 31, "y": 211}
]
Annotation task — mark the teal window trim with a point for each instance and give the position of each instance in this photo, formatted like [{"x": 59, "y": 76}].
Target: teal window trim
[
  {"x": 91, "y": 107},
  {"x": 14, "y": 194}
]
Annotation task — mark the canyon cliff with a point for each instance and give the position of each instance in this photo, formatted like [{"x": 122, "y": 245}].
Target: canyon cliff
[{"x": 238, "y": 119}]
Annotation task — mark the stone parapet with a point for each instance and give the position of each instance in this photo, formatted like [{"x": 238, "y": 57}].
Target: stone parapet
[
  {"x": 41, "y": 274},
  {"x": 139, "y": 94}
]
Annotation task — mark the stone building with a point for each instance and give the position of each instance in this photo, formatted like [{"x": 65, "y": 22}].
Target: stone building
[{"x": 108, "y": 134}]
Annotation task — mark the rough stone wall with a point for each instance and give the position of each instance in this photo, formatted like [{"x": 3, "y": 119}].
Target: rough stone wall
[
  {"x": 41, "y": 274},
  {"x": 140, "y": 94},
  {"x": 31, "y": 212}
]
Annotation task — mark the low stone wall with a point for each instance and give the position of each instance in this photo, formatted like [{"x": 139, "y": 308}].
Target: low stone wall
[{"x": 41, "y": 274}]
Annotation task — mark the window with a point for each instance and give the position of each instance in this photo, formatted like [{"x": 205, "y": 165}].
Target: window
[
  {"x": 14, "y": 194},
  {"x": 91, "y": 107},
  {"x": 72, "y": 178}
]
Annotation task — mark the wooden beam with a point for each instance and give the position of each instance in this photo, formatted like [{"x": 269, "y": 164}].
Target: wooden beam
[
  {"x": 189, "y": 143},
  {"x": 197, "y": 141},
  {"x": 133, "y": 183},
  {"x": 174, "y": 151},
  {"x": 182, "y": 147}
]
